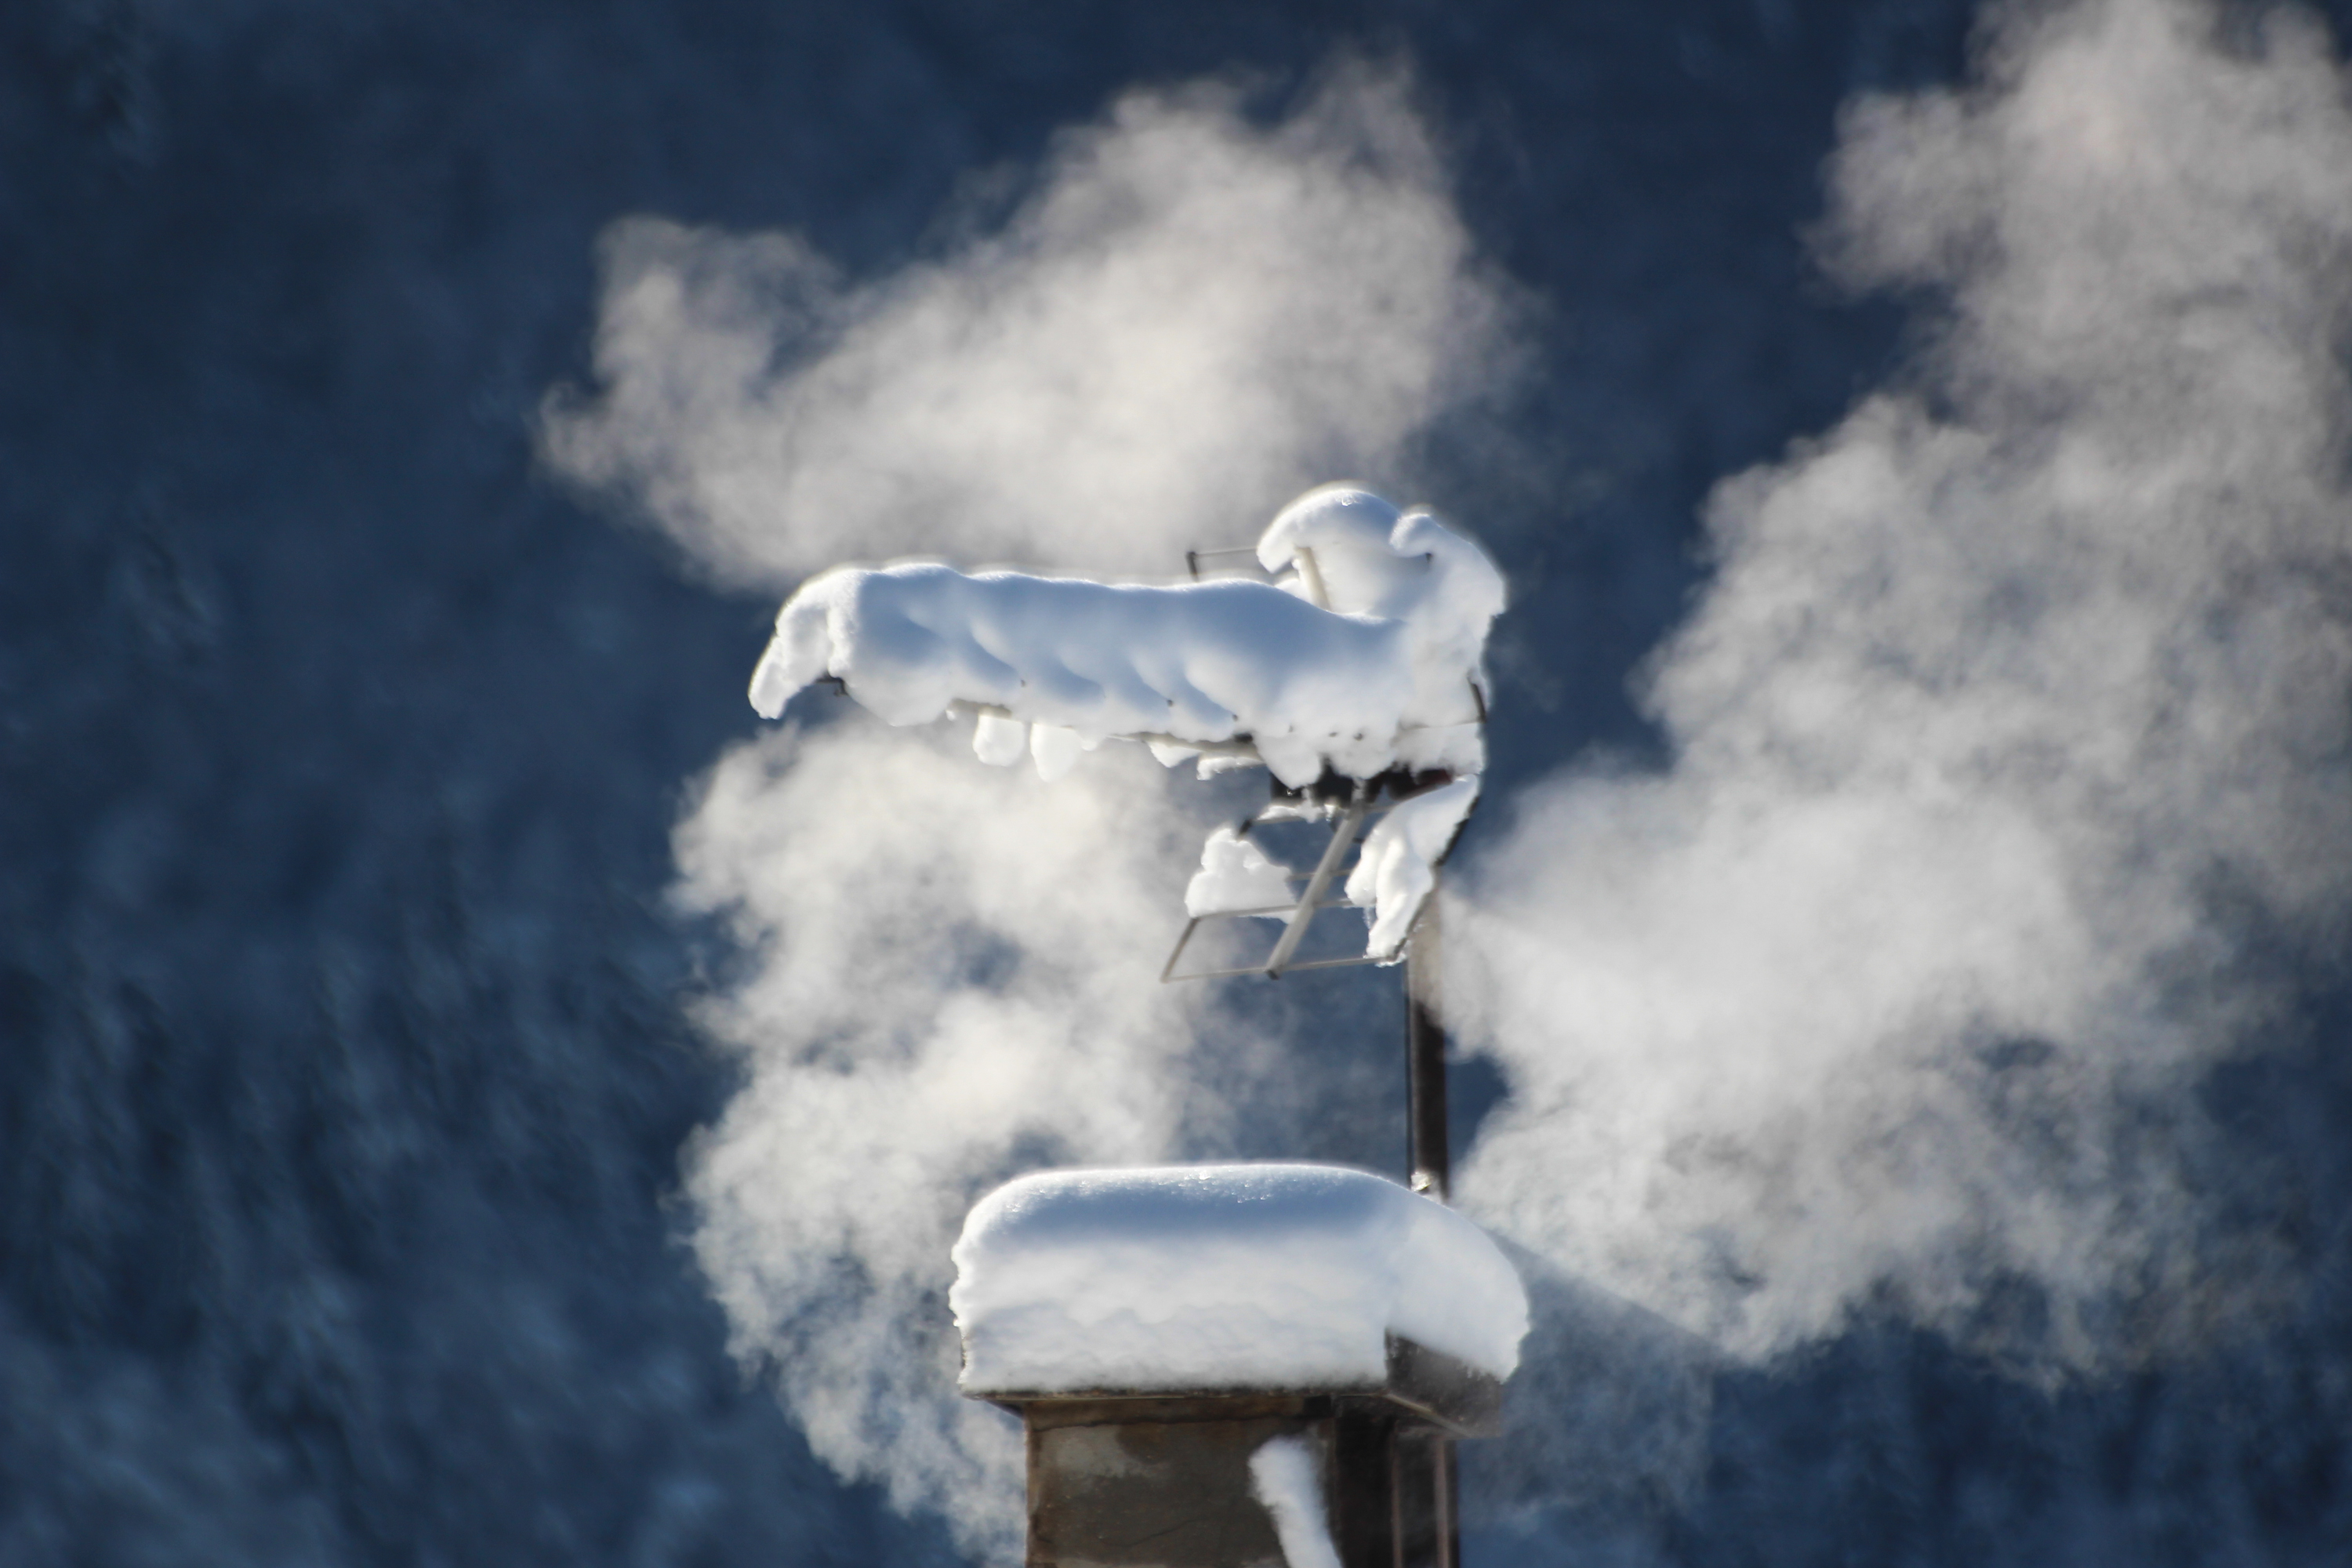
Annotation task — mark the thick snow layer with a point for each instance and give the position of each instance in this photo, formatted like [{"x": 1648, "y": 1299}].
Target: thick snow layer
[
  {"x": 1285, "y": 1477},
  {"x": 1369, "y": 559},
  {"x": 1399, "y": 864},
  {"x": 1383, "y": 679},
  {"x": 1236, "y": 875},
  {"x": 1221, "y": 1276}
]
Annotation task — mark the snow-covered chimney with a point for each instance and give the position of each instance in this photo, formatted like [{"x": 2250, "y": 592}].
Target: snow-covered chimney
[{"x": 1227, "y": 1366}]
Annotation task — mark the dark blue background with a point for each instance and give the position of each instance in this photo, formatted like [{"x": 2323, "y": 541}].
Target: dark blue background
[{"x": 341, "y": 1084}]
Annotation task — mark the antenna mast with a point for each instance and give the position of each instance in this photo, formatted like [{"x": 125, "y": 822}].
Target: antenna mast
[{"x": 1430, "y": 1158}]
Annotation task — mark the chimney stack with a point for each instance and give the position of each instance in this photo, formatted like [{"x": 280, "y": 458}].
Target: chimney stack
[{"x": 1236, "y": 1366}]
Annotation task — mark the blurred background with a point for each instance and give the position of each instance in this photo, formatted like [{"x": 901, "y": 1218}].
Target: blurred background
[{"x": 345, "y": 1064}]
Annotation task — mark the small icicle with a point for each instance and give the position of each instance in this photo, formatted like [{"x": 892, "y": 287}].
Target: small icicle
[
  {"x": 1283, "y": 1476},
  {"x": 999, "y": 741},
  {"x": 1170, "y": 753},
  {"x": 1053, "y": 749}
]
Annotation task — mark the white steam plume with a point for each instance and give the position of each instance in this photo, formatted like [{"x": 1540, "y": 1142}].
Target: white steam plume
[
  {"x": 2014, "y": 718},
  {"x": 957, "y": 980},
  {"x": 952, "y": 969},
  {"x": 1190, "y": 323}
]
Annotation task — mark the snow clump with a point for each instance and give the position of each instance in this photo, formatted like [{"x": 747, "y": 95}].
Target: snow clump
[
  {"x": 1285, "y": 1475},
  {"x": 1236, "y": 877},
  {"x": 1398, "y": 868},
  {"x": 1387, "y": 676},
  {"x": 1221, "y": 1276}
]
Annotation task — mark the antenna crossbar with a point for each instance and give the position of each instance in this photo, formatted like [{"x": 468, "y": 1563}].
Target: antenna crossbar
[
  {"x": 1344, "y": 836},
  {"x": 1347, "y": 835},
  {"x": 1309, "y": 572}
]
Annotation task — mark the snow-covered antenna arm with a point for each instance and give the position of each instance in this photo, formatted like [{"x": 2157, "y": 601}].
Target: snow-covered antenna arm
[
  {"x": 1196, "y": 665},
  {"x": 801, "y": 652},
  {"x": 1356, "y": 673},
  {"x": 1383, "y": 679}
]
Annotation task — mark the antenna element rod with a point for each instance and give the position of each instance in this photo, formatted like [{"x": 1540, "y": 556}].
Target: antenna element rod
[{"x": 1343, "y": 838}]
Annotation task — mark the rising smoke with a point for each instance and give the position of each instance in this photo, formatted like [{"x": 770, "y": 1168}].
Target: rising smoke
[
  {"x": 1192, "y": 320},
  {"x": 957, "y": 983},
  {"x": 2010, "y": 731},
  {"x": 2007, "y": 739}
]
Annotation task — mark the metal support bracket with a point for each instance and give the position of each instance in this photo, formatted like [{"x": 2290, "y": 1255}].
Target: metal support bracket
[{"x": 1346, "y": 835}]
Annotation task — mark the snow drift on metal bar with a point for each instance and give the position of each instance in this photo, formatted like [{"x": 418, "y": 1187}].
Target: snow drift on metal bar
[{"x": 1387, "y": 676}]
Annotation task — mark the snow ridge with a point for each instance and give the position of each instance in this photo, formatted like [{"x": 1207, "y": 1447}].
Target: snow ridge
[
  {"x": 1218, "y": 1276},
  {"x": 1387, "y": 676}
]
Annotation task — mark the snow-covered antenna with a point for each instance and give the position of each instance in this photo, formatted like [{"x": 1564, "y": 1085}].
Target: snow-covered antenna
[{"x": 1350, "y": 670}]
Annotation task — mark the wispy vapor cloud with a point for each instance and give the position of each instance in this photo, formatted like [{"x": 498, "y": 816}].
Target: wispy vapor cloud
[
  {"x": 956, "y": 981},
  {"x": 2008, "y": 736},
  {"x": 951, "y": 971},
  {"x": 1193, "y": 320}
]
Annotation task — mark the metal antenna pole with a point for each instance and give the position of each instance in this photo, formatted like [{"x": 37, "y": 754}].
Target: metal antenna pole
[
  {"x": 1425, "y": 1041},
  {"x": 1427, "y": 1475}
]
